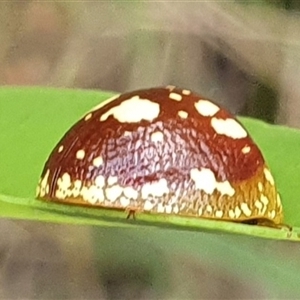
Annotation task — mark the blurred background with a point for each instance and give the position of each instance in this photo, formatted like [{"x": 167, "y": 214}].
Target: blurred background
[{"x": 244, "y": 55}]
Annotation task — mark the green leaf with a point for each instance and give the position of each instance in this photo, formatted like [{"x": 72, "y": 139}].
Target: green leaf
[{"x": 32, "y": 121}]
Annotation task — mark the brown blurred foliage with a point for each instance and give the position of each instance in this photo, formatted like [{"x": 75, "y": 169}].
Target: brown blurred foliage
[{"x": 241, "y": 55}]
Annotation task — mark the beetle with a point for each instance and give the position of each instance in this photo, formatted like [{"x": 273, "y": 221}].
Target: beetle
[{"x": 163, "y": 150}]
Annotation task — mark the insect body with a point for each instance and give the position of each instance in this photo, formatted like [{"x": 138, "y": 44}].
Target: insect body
[{"x": 164, "y": 151}]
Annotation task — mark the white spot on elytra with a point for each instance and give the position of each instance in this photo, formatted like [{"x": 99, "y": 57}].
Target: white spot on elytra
[
  {"x": 228, "y": 127},
  {"x": 130, "y": 193},
  {"x": 92, "y": 194},
  {"x": 264, "y": 199},
  {"x": 182, "y": 206},
  {"x": 269, "y": 176},
  {"x": 60, "y": 149},
  {"x": 80, "y": 154},
  {"x": 246, "y": 149},
  {"x": 95, "y": 194},
  {"x": 175, "y": 96},
  {"x": 63, "y": 183},
  {"x": 77, "y": 184},
  {"x": 186, "y": 92},
  {"x": 209, "y": 209},
  {"x": 231, "y": 214},
  {"x": 175, "y": 209},
  {"x": 112, "y": 193},
  {"x": 205, "y": 180},
  {"x": 160, "y": 208},
  {"x": 127, "y": 133},
  {"x": 133, "y": 110},
  {"x": 156, "y": 189},
  {"x": 183, "y": 114},
  {"x": 43, "y": 185},
  {"x": 246, "y": 210},
  {"x": 200, "y": 211},
  {"x": 272, "y": 214},
  {"x": 112, "y": 180},
  {"x": 219, "y": 213},
  {"x": 77, "y": 188},
  {"x": 225, "y": 188},
  {"x": 84, "y": 193},
  {"x": 100, "y": 181},
  {"x": 260, "y": 186},
  {"x": 157, "y": 136},
  {"x": 88, "y": 116},
  {"x": 237, "y": 212},
  {"x": 206, "y": 108},
  {"x": 258, "y": 204},
  {"x": 149, "y": 205},
  {"x": 98, "y": 161},
  {"x": 124, "y": 201},
  {"x": 168, "y": 209}
]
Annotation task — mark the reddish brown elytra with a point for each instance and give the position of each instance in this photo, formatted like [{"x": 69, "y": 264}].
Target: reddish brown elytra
[{"x": 164, "y": 151}]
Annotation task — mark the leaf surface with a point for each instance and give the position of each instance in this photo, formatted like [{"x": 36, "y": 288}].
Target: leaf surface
[{"x": 32, "y": 120}]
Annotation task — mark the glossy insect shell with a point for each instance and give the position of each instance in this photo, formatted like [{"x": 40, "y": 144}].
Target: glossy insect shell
[{"x": 162, "y": 150}]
